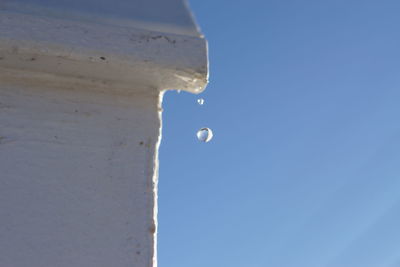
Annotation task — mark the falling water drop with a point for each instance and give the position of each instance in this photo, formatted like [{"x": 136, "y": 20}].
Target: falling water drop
[
  {"x": 178, "y": 91},
  {"x": 204, "y": 134},
  {"x": 200, "y": 101}
]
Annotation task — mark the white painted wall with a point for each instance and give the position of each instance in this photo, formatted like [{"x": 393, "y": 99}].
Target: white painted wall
[
  {"x": 77, "y": 177},
  {"x": 80, "y": 105}
]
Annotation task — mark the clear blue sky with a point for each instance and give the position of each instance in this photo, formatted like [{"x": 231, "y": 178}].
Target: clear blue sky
[{"x": 304, "y": 167}]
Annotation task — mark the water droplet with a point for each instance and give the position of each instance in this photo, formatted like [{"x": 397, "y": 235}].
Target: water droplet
[
  {"x": 204, "y": 134},
  {"x": 178, "y": 91},
  {"x": 200, "y": 101}
]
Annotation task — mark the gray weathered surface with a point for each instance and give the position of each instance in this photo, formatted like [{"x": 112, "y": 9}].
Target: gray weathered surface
[
  {"x": 78, "y": 177},
  {"x": 81, "y": 84},
  {"x": 120, "y": 56}
]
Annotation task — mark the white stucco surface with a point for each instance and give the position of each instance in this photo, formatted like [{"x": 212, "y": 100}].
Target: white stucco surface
[
  {"x": 81, "y": 86},
  {"x": 77, "y": 177},
  {"x": 118, "y": 56}
]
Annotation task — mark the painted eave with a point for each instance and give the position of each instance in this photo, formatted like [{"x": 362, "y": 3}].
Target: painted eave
[{"x": 39, "y": 49}]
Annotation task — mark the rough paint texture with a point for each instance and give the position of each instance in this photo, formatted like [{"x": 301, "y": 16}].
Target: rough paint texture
[
  {"x": 77, "y": 177},
  {"x": 80, "y": 125},
  {"x": 119, "y": 56}
]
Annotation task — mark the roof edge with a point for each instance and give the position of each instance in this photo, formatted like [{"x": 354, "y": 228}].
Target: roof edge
[{"x": 107, "y": 54}]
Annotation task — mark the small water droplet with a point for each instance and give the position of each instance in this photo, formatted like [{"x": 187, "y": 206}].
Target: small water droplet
[
  {"x": 200, "y": 101},
  {"x": 178, "y": 91},
  {"x": 204, "y": 134}
]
